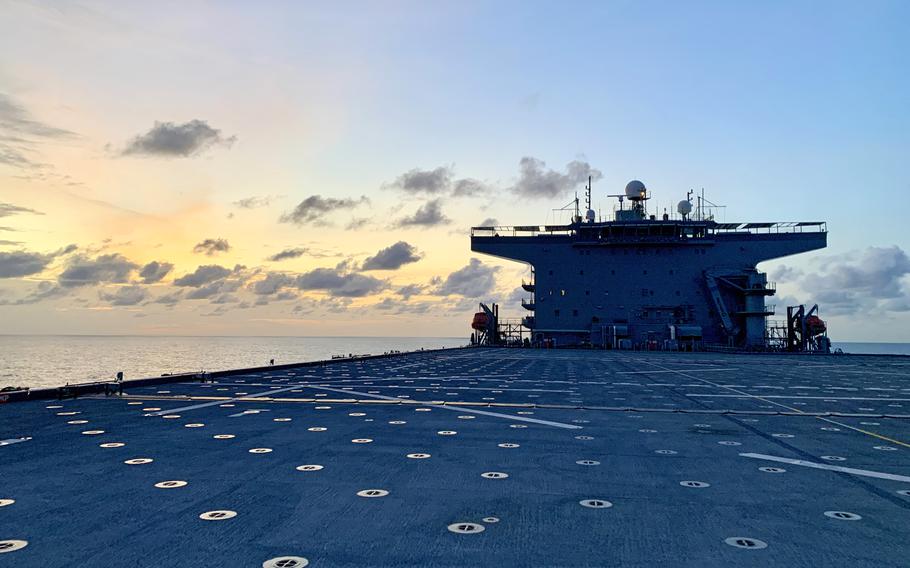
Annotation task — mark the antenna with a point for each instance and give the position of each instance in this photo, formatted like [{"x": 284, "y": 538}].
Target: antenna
[{"x": 588, "y": 194}]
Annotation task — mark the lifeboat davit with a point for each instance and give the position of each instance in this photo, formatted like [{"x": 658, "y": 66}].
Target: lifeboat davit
[
  {"x": 480, "y": 321},
  {"x": 815, "y": 325}
]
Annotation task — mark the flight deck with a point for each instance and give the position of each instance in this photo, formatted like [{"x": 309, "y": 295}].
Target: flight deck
[{"x": 471, "y": 457}]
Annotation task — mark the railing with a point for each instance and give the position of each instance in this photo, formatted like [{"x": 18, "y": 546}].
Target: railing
[
  {"x": 710, "y": 226},
  {"x": 522, "y": 231},
  {"x": 777, "y": 227}
]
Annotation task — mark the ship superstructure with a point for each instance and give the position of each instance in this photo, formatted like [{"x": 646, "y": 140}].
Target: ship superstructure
[{"x": 642, "y": 282}]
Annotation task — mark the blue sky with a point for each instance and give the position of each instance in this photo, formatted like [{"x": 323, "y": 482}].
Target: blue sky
[{"x": 780, "y": 110}]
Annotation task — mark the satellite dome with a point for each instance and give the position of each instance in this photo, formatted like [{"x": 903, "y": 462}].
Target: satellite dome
[
  {"x": 590, "y": 216},
  {"x": 684, "y": 207},
  {"x": 635, "y": 189}
]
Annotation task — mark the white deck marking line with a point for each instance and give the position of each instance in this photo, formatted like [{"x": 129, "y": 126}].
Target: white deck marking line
[
  {"x": 217, "y": 402},
  {"x": 850, "y": 470},
  {"x": 319, "y": 380},
  {"x": 453, "y": 387},
  {"x": 15, "y": 441},
  {"x": 249, "y": 412},
  {"x": 460, "y": 409},
  {"x": 709, "y": 369},
  {"x": 790, "y": 408},
  {"x": 880, "y": 399}
]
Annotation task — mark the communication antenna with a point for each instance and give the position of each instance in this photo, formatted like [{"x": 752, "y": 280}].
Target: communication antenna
[{"x": 588, "y": 194}]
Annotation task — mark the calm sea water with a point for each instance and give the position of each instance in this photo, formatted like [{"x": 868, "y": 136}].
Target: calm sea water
[
  {"x": 873, "y": 348},
  {"x": 49, "y": 361},
  {"x": 54, "y": 360}
]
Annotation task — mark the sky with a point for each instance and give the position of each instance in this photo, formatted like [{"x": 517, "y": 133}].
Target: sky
[{"x": 288, "y": 168}]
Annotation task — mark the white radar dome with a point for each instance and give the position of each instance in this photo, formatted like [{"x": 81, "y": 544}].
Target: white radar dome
[
  {"x": 684, "y": 207},
  {"x": 590, "y": 215},
  {"x": 635, "y": 189}
]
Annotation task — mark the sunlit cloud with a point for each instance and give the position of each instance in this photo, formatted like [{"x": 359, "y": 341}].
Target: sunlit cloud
[
  {"x": 536, "y": 181},
  {"x": 392, "y": 257},
  {"x": 84, "y": 271},
  {"x": 211, "y": 247},
  {"x": 155, "y": 271},
  {"x": 171, "y": 140},
  {"x": 288, "y": 254},
  {"x": 427, "y": 215},
  {"x": 315, "y": 209}
]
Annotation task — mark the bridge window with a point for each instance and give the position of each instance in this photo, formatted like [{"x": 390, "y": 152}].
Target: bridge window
[
  {"x": 574, "y": 312},
  {"x": 556, "y": 313}
]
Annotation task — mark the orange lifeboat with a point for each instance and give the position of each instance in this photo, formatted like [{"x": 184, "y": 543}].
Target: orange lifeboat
[
  {"x": 480, "y": 321},
  {"x": 815, "y": 325}
]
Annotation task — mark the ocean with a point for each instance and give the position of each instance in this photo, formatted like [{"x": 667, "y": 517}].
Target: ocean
[{"x": 53, "y": 360}]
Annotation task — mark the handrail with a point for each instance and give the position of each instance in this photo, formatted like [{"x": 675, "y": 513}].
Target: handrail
[{"x": 756, "y": 228}]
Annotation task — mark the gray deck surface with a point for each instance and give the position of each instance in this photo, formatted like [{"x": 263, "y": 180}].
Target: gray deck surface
[{"x": 799, "y": 461}]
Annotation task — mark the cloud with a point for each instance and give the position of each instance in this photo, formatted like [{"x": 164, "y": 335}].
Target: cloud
[
  {"x": 873, "y": 281},
  {"x": 19, "y": 132},
  {"x": 489, "y": 222},
  {"x": 785, "y": 273},
  {"x": 44, "y": 291},
  {"x": 212, "y": 247},
  {"x": 212, "y": 289},
  {"x": 315, "y": 208},
  {"x": 22, "y": 263},
  {"x": 399, "y": 307},
  {"x": 410, "y": 290},
  {"x": 472, "y": 281},
  {"x": 8, "y": 210},
  {"x": 155, "y": 271},
  {"x": 535, "y": 181},
  {"x": 288, "y": 253},
  {"x": 272, "y": 284},
  {"x": 393, "y": 257},
  {"x": 357, "y": 223},
  {"x": 203, "y": 275},
  {"x": 438, "y": 181},
  {"x": 125, "y": 296},
  {"x": 170, "y": 299},
  {"x": 336, "y": 283},
  {"x": 84, "y": 271},
  {"x": 434, "y": 181},
  {"x": 15, "y": 119},
  {"x": 468, "y": 187},
  {"x": 170, "y": 140},
  {"x": 428, "y": 215},
  {"x": 6, "y": 243},
  {"x": 255, "y": 202}
]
